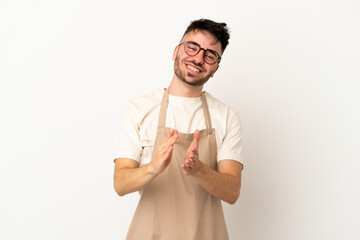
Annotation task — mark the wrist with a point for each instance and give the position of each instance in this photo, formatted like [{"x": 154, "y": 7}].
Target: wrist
[
  {"x": 199, "y": 169},
  {"x": 151, "y": 170}
]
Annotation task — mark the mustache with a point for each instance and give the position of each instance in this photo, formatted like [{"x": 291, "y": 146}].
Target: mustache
[{"x": 196, "y": 64}]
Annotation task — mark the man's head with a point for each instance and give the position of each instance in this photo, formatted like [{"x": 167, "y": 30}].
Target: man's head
[
  {"x": 219, "y": 30},
  {"x": 198, "y": 55}
]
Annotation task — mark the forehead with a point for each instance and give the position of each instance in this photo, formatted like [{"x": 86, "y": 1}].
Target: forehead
[{"x": 205, "y": 39}]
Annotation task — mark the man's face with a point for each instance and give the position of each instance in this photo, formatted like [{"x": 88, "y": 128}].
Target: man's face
[{"x": 193, "y": 70}]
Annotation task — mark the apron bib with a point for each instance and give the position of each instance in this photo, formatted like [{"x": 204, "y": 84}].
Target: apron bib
[{"x": 174, "y": 206}]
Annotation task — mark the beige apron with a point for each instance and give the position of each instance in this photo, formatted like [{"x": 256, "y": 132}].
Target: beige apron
[{"x": 174, "y": 206}]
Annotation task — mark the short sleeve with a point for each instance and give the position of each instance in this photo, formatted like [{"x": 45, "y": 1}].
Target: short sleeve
[
  {"x": 129, "y": 144},
  {"x": 231, "y": 147}
]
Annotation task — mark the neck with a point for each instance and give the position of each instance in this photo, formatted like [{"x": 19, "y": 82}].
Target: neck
[{"x": 182, "y": 89}]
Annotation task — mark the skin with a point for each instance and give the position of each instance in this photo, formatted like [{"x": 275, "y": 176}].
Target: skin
[
  {"x": 129, "y": 177},
  {"x": 179, "y": 85},
  {"x": 226, "y": 181}
]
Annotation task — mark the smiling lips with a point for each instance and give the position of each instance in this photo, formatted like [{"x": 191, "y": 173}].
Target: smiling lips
[{"x": 193, "y": 68}]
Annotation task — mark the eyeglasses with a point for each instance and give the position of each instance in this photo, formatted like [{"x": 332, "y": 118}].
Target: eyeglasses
[{"x": 192, "y": 48}]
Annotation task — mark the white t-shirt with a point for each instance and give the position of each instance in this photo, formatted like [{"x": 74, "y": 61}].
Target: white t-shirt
[{"x": 139, "y": 126}]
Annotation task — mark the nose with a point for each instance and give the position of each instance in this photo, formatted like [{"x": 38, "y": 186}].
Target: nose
[{"x": 199, "y": 57}]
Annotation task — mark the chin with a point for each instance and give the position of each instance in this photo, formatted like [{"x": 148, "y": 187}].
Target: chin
[{"x": 195, "y": 83}]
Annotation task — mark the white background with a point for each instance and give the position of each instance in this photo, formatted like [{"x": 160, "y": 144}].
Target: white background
[{"x": 68, "y": 68}]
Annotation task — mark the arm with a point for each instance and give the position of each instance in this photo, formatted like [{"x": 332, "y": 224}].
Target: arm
[
  {"x": 223, "y": 184},
  {"x": 129, "y": 177}
]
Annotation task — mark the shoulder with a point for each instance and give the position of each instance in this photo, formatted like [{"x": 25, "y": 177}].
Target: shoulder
[
  {"x": 154, "y": 96},
  {"x": 144, "y": 103},
  {"x": 220, "y": 109}
]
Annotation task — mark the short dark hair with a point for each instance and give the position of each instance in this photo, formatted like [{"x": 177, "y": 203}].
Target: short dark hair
[{"x": 219, "y": 30}]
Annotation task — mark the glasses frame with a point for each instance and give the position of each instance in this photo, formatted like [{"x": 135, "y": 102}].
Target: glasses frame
[{"x": 200, "y": 48}]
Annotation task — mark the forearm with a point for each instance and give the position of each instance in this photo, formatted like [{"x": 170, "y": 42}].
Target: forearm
[
  {"x": 221, "y": 185},
  {"x": 128, "y": 180},
  {"x": 129, "y": 177}
]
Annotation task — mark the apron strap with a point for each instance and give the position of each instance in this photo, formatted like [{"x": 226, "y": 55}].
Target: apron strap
[
  {"x": 163, "y": 110},
  {"x": 206, "y": 113}
]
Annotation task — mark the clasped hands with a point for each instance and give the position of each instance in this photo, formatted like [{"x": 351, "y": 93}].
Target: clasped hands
[{"x": 164, "y": 152}]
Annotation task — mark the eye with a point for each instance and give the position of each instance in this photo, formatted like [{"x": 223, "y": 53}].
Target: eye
[
  {"x": 210, "y": 56},
  {"x": 192, "y": 47}
]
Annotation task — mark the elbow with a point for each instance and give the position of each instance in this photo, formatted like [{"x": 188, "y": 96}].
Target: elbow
[
  {"x": 120, "y": 194},
  {"x": 232, "y": 200},
  {"x": 234, "y": 196},
  {"x": 119, "y": 190}
]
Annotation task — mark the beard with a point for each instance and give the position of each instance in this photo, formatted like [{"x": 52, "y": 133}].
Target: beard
[{"x": 182, "y": 75}]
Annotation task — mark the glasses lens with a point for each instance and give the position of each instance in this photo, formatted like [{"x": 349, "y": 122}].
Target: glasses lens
[
  {"x": 210, "y": 57},
  {"x": 191, "y": 48}
]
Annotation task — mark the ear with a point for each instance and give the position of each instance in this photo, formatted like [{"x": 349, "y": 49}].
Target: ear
[
  {"x": 217, "y": 67},
  {"x": 175, "y": 52}
]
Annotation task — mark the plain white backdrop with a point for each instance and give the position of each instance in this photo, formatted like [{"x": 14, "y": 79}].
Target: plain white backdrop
[{"x": 68, "y": 68}]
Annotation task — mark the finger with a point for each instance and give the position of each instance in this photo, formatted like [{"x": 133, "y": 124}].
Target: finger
[
  {"x": 186, "y": 172},
  {"x": 195, "y": 142},
  {"x": 168, "y": 152},
  {"x": 165, "y": 146},
  {"x": 186, "y": 168},
  {"x": 168, "y": 141},
  {"x": 171, "y": 133},
  {"x": 193, "y": 155},
  {"x": 161, "y": 148},
  {"x": 189, "y": 163},
  {"x": 173, "y": 138}
]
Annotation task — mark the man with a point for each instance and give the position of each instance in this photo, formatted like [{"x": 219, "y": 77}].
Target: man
[{"x": 182, "y": 172}]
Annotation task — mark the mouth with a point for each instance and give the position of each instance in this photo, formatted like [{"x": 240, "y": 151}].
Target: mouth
[{"x": 193, "y": 69}]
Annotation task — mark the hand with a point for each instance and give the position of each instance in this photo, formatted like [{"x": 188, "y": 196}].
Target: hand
[
  {"x": 192, "y": 163},
  {"x": 164, "y": 152}
]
